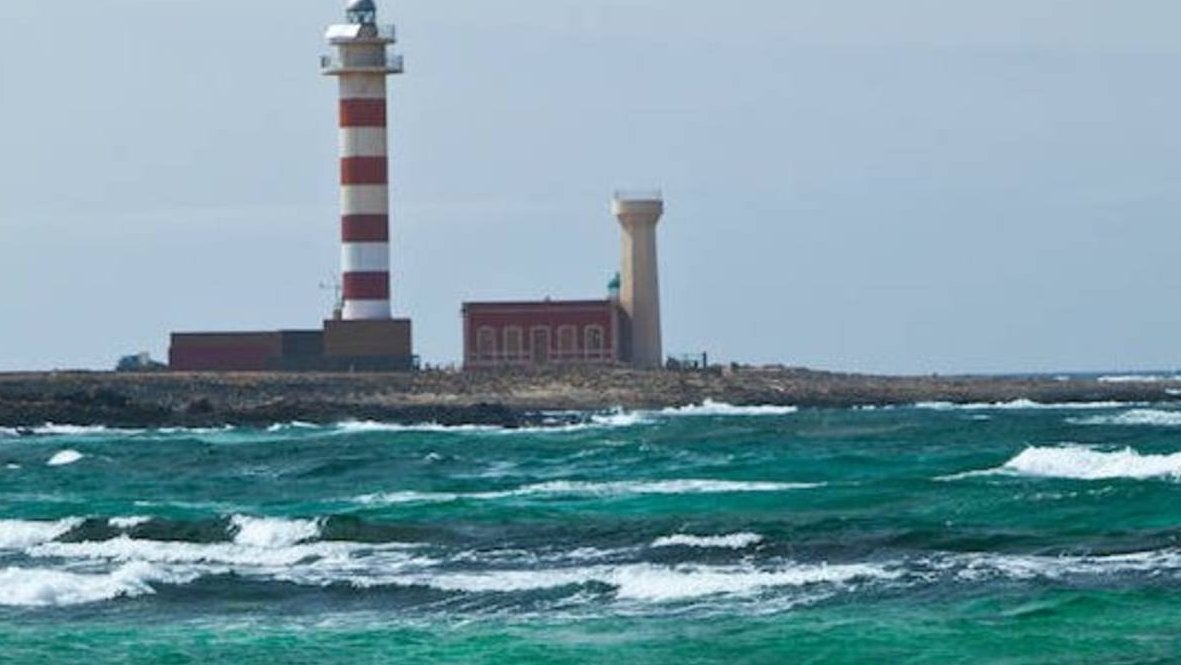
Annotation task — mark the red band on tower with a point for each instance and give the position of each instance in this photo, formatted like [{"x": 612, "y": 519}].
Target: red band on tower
[
  {"x": 366, "y": 286},
  {"x": 365, "y": 228},
  {"x": 364, "y": 171},
  {"x": 362, "y": 113}
]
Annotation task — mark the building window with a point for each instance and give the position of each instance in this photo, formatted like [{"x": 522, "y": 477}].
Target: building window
[
  {"x": 486, "y": 343},
  {"x": 540, "y": 344},
  {"x": 594, "y": 341},
  {"x": 514, "y": 343},
  {"x": 567, "y": 341}
]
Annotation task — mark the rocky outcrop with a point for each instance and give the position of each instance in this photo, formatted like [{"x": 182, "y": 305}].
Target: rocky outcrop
[{"x": 500, "y": 398}]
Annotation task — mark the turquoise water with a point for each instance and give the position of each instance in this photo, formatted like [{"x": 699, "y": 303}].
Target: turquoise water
[{"x": 1013, "y": 533}]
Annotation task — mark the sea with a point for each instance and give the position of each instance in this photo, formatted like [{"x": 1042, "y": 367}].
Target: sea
[{"x": 933, "y": 533}]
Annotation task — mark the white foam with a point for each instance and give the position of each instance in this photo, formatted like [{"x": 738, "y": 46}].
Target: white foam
[
  {"x": 586, "y": 488},
  {"x": 1135, "y": 417},
  {"x": 712, "y": 408},
  {"x": 1138, "y": 378},
  {"x": 295, "y": 424},
  {"x": 655, "y": 583},
  {"x": 128, "y": 522},
  {"x": 1075, "y": 462},
  {"x": 40, "y": 587},
  {"x": 734, "y": 541},
  {"x": 53, "y": 429},
  {"x": 272, "y": 532},
  {"x": 12, "y": 466},
  {"x": 1018, "y": 404},
  {"x": 19, "y": 534},
  {"x": 126, "y": 549},
  {"x": 64, "y": 457},
  {"x": 974, "y": 567},
  {"x": 365, "y": 426}
]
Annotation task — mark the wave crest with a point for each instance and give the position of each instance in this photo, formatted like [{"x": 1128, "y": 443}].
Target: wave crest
[
  {"x": 733, "y": 541},
  {"x": 1073, "y": 462},
  {"x": 41, "y": 587}
]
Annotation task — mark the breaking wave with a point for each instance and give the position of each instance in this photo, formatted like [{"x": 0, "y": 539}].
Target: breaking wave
[
  {"x": 41, "y": 587},
  {"x": 1136, "y": 417},
  {"x": 19, "y": 534},
  {"x": 1017, "y": 405},
  {"x": 711, "y": 408},
  {"x": 1075, "y": 462},
  {"x": 64, "y": 457},
  {"x": 733, "y": 541},
  {"x": 1138, "y": 378},
  {"x": 592, "y": 489}
]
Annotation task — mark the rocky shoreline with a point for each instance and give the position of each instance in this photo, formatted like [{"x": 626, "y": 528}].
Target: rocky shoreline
[{"x": 509, "y": 399}]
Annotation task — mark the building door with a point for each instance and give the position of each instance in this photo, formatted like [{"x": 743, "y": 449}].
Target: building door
[{"x": 540, "y": 345}]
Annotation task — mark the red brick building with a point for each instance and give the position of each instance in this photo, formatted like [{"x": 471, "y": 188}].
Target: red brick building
[{"x": 548, "y": 332}]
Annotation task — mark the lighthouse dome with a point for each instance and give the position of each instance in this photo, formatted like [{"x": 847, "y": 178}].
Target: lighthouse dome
[{"x": 362, "y": 6}]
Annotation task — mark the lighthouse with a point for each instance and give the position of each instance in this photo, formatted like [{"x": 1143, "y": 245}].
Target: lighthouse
[
  {"x": 361, "y": 64},
  {"x": 638, "y": 215}
]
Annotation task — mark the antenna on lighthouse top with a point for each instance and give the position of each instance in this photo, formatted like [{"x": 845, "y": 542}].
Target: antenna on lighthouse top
[{"x": 362, "y": 12}]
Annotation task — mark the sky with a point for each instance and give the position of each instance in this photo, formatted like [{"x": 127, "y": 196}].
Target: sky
[{"x": 909, "y": 187}]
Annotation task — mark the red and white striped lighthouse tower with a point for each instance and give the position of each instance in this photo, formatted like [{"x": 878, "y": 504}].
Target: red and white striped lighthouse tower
[{"x": 361, "y": 64}]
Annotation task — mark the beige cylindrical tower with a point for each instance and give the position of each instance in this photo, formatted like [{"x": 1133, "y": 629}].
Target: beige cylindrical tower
[{"x": 639, "y": 292}]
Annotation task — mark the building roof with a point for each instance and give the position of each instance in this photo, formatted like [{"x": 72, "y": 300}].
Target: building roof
[{"x": 539, "y": 304}]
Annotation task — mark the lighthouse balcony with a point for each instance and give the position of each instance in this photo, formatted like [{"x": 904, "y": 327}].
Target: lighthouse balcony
[
  {"x": 334, "y": 65},
  {"x": 353, "y": 33}
]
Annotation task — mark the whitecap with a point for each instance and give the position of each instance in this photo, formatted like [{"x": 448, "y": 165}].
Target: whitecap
[
  {"x": 128, "y": 522},
  {"x": 654, "y": 583},
  {"x": 712, "y": 408},
  {"x": 1138, "y": 378},
  {"x": 64, "y": 457},
  {"x": 1075, "y": 462},
  {"x": 53, "y": 429},
  {"x": 1149, "y": 417},
  {"x": 367, "y": 426},
  {"x": 734, "y": 541},
  {"x": 235, "y": 556},
  {"x": 587, "y": 488},
  {"x": 1018, "y": 404},
  {"x": 19, "y": 534},
  {"x": 40, "y": 587},
  {"x": 272, "y": 532}
]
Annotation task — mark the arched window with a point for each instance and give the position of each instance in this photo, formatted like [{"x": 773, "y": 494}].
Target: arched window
[
  {"x": 486, "y": 343},
  {"x": 594, "y": 341},
  {"x": 514, "y": 343},
  {"x": 567, "y": 341}
]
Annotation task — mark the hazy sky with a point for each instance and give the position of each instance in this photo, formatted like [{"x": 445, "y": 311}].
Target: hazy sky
[{"x": 901, "y": 186}]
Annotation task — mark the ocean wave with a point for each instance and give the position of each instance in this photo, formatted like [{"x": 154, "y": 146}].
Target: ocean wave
[
  {"x": 734, "y": 541},
  {"x": 125, "y": 523},
  {"x": 19, "y": 534},
  {"x": 1074, "y": 462},
  {"x": 1138, "y": 378},
  {"x": 1135, "y": 417},
  {"x": 64, "y": 457},
  {"x": 366, "y": 426},
  {"x": 221, "y": 557},
  {"x": 587, "y": 488},
  {"x": 272, "y": 532},
  {"x": 1018, "y": 404},
  {"x": 655, "y": 583},
  {"x": 41, "y": 587},
  {"x": 983, "y": 566},
  {"x": 711, "y": 408}
]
